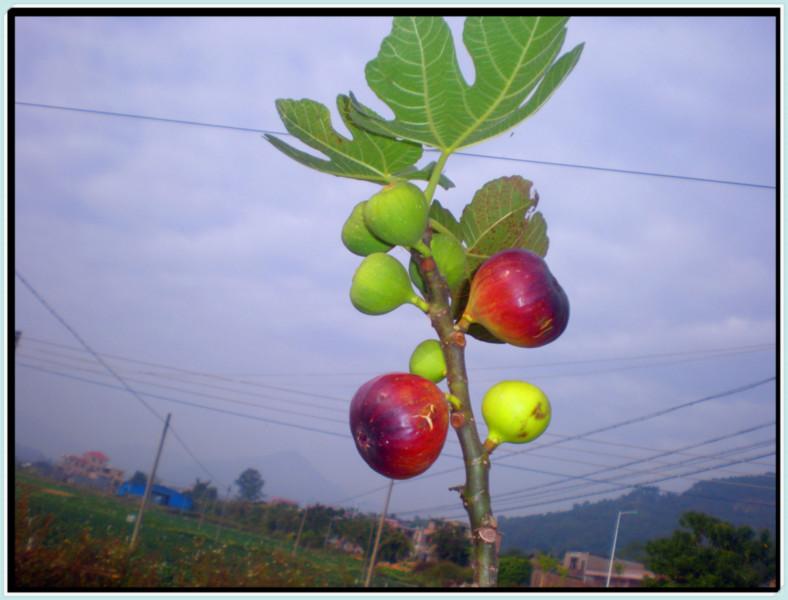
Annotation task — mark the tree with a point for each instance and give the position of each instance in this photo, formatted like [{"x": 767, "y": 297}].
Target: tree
[
  {"x": 139, "y": 478},
  {"x": 710, "y": 552},
  {"x": 250, "y": 485},
  {"x": 203, "y": 492},
  {"x": 518, "y": 66},
  {"x": 514, "y": 570},
  {"x": 394, "y": 545},
  {"x": 451, "y": 543}
]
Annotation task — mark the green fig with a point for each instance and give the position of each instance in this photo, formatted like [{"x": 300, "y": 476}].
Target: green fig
[
  {"x": 515, "y": 412},
  {"x": 357, "y": 237},
  {"x": 381, "y": 284},
  {"x": 428, "y": 361},
  {"x": 449, "y": 256},
  {"x": 397, "y": 214}
]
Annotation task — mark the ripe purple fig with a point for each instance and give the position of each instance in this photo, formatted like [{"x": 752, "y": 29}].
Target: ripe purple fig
[
  {"x": 516, "y": 298},
  {"x": 399, "y": 423}
]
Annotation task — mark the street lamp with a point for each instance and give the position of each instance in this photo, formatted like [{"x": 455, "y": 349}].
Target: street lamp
[{"x": 615, "y": 539}]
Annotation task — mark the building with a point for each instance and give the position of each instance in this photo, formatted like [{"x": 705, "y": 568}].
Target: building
[
  {"x": 91, "y": 467},
  {"x": 423, "y": 545},
  {"x": 159, "y": 494},
  {"x": 284, "y": 501},
  {"x": 592, "y": 570}
]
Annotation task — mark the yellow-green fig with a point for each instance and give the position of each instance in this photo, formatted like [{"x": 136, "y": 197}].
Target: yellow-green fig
[
  {"x": 397, "y": 214},
  {"x": 515, "y": 412},
  {"x": 357, "y": 237},
  {"x": 449, "y": 257},
  {"x": 428, "y": 361},
  {"x": 380, "y": 284}
]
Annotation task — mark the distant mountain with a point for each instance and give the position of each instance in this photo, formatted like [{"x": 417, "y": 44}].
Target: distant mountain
[
  {"x": 290, "y": 475},
  {"x": 27, "y": 454},
  {"x": 589, "y": 526}
]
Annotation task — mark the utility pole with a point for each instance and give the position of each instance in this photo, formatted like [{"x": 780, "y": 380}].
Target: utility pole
[
  {"x": 300, "y": 529},
  {"x": 149, "y": 485},
  {"x": 615, "y": 539},
  {"x": 367, "y": 549},
  {"x": 377, "y": 536},
  {"x": 221, "y": 513},
  {"x": 328, "y": 533}
]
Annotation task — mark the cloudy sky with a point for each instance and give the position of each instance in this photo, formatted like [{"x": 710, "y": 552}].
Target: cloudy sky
[{"x": 205, "y": 267}]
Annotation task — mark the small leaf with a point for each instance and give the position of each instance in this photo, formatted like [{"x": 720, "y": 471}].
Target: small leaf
[
  {"x": 424, "y": 174},
  {"x": 368, "y": 156},
  {"x": 442, "y": 219},
  {"x": 502, "y": 215},
  {"x": 416, "y": 73}
]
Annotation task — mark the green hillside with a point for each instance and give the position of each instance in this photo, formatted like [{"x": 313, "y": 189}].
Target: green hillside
[{"x": 589, "y": 526}]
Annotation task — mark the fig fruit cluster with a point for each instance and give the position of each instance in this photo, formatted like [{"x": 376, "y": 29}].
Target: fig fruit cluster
[
  {"x": 399, "y": 421},
  {"x": 395, "y": 216}
]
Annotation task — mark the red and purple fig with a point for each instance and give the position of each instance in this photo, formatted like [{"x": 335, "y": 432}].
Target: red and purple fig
[
  {"x": 516, "y": 298},
  {"x": 399, "y": 423}
]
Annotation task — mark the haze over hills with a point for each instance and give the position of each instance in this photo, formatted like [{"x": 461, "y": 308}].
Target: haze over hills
[
  {"x": 589, "y": 526},
  {"x": 286, "y": 475}
]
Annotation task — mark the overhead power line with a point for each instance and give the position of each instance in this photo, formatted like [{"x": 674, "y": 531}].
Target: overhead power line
[
  {"x": 194, "y": 123},
  {"x": 64, "y": 365},
  {"x": 639, "y": 461},
  {"x": 689, "y": 354},
  {"x": 610, "y": 427},
  {"x": 185, "y": 402},
  {"x": 253, "y": 417},
  {"x": 558, "y": 493},
  {"x": 623, "y": 486},
  {"x": 648, "y": 416},
  {"x": 124, "y": 384},
  {"x": 343, "y": 421}
]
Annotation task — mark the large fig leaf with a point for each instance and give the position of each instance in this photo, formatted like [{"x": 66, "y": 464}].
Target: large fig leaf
[
  {"x": 417, "y": 75},
  {"x": 502, "y": 215},
  {"x": 366, "y": 156}
]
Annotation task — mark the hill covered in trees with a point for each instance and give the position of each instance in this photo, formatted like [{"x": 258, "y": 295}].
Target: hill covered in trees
[{"x": 589, "y": 526}]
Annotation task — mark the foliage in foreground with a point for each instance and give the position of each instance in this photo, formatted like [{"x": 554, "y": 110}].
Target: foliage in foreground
[
  {"x": 43, "y": 559},
  {"x": 710, "y": 553}
]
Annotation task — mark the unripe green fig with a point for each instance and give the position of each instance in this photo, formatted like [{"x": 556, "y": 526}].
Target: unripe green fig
[
  {"x": 397, "y": 214},
  {"x": 380, "y": 284},
  {"x": 449, "y": 257},
  {"x": 428, "y": 361},
  {"x": 515, "y": 412},
  {"x": 357, "y": 237}
]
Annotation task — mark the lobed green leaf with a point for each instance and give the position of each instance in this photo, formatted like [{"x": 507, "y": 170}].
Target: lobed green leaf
[
  {"x": 367, "y": 156},
  {"x": 416, "y": 73}
]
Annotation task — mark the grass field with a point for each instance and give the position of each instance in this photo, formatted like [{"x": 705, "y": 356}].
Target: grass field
[{"x": 85, "y": 538}]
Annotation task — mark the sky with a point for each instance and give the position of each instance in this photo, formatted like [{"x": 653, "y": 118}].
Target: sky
[{"x": 205, "y": 268}]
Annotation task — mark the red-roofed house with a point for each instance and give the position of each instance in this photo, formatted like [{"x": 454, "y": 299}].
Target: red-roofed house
[{"x": 93, "y": 466}]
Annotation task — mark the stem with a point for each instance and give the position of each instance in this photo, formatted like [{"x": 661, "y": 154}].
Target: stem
[
  {"x": 476, "y": 491},
  {"x": 429, "y": 192}
]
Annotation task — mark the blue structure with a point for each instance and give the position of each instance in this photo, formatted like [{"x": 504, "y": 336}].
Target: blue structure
[{"x": 160, "y": 494}]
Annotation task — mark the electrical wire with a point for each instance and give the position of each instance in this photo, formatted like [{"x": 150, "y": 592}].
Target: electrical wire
[
  {"x": 124, "y": 384},
  {"x": 107, "y": 113},
  {"x": 202, "y": 394},
  {"x": 631, "y": 463},
  {"x": 186, "y": 402},
  {"x": 277, "y": 409},
  {"x": 623, "y": 486},
  {"x": 648, "y": 416}
]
